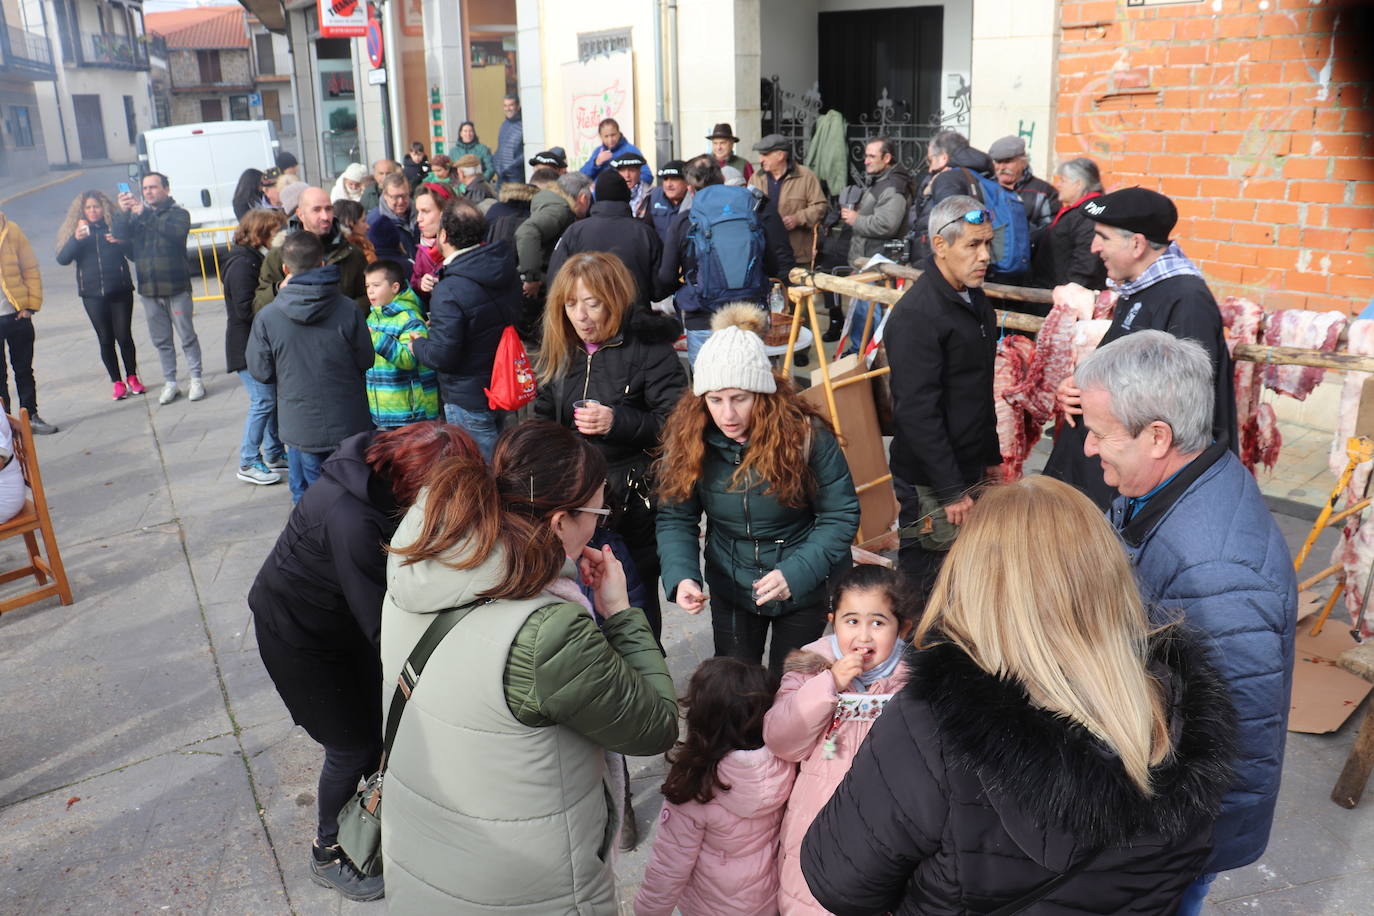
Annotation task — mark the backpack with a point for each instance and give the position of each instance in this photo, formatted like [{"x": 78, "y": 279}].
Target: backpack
[
  {"x": 726, "y": 238},
  {"x": 512, "y": 379},
  {"x": 1010, "y": 230}
]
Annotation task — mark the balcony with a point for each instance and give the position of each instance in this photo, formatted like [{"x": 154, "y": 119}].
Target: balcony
[
  {"x": 116, "y": 51},
  {"x": 27, "y": 54}
]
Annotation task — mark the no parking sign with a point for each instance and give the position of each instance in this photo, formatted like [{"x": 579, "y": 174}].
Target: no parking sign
[{"x": 374, "y": 37}]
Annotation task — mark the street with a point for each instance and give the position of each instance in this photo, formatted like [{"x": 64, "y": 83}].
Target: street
[{"x": 147, "y": 764}]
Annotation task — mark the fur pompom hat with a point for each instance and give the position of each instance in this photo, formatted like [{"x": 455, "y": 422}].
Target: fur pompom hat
[{"x": 734, "y": 355}]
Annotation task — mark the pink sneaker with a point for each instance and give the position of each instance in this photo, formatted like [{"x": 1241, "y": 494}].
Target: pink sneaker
[
  {"x": 135, "y": 386},
  {"x": 120, "y": 391}
]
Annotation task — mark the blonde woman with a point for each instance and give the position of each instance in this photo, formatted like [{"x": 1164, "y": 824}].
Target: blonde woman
[{"x": 1048, "y": 748}]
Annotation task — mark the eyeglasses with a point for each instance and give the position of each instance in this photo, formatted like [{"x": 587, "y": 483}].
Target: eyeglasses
[
  {"x": 972, "y": 217},
  {"x": 604, "y": 513}
]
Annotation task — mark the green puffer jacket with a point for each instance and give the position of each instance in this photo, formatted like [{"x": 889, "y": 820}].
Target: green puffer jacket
[
  {"x": 550, "y": 213},
  {"x": 459, "y": 149},
  {"x": 498, "y": 796},
  {"x": 749, "y": 534}
]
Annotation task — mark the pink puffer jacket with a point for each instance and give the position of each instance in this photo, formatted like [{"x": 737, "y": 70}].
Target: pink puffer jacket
[
  {"x": 794, "y": 729},
  {"x": 721, "y": 858}
]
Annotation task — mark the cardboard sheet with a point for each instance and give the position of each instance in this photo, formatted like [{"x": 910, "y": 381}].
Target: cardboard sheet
[{"x": 1324, "y": 694}]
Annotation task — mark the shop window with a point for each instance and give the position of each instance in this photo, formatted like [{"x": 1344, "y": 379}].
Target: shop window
[
  {"x": 21, "y": 128},
  {"x": 238, "y": 108}
]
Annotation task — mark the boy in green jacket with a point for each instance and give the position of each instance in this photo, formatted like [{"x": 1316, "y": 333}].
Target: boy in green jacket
[{"x": 399, "y": 390}]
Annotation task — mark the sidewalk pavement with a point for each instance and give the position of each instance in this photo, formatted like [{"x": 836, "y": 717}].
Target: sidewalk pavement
[{"x": 148, "y": 765}]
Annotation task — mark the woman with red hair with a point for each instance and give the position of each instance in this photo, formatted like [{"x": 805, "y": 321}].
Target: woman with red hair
[{"x": 317, "y": 610}]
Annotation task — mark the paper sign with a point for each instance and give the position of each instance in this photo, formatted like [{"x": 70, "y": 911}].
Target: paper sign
[
  {"x": 342, "y": 18},
  {"x": 594, "y": 90}
]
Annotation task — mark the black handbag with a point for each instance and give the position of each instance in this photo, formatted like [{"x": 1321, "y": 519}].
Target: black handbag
[{"x": 360, "y": 820}]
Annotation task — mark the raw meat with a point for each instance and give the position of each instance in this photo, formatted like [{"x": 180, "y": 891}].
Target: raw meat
[
  {"x": 1054, "y": 353},
  {"x": 1258, "y": 427},
  {"x": 1308, "y": 330},
  {"x": 1087, "y": 335},
  {"x": 1016, "y": 432},
  {"x": 1355, "y": 552}
]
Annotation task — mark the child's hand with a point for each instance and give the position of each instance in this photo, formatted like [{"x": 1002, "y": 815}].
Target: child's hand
[{"x": 846, "y": 669}]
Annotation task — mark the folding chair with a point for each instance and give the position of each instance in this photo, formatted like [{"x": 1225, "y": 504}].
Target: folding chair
[{"x": 33, "y": 517}]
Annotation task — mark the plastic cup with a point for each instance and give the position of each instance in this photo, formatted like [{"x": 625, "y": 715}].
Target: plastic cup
[{"x": 586, "y": 402}]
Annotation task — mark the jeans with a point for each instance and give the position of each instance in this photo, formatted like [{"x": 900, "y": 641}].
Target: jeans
[
  {"x": 695, "y": 338},
  {"x": 860, "y": 314},
  {"x": 1195, "y": 896},
  {"x": 260, "y": 428},
  {"x": 165, "y": 313},
  {"x": 344, "y": 768},
  {"x": 741, "y": 633},
  {"x": 110, "y": 316},
  {"x": 17, "y": 334},
  {"x": 302, "y": 469},
  {"x": 483, "y": 425}
]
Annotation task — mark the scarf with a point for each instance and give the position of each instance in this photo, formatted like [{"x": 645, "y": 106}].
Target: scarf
[
  {"x": 1067, "y": 207},
  {"x": 866, "y": 679},
  {"x": 1172, "y": 263},
  {"x": 565, "y": 586}
]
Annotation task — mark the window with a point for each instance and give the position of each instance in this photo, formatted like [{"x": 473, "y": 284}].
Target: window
[
  {"x": 130, "y": 121},
  {"x": 21, "y": 129},
  {"x": 238, "y": 108},
  {"x": 209, "y": 67},
  {"x": 66, "y": 26},
  {"x": 267, "y": 61},
  {"x": 211, "y": 110}
]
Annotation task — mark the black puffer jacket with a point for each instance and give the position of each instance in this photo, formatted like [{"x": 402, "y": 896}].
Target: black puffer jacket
[
  {"x": 636, "y": 373},
  {"x": 320, "y": 593},
  {"x": 609, "y": 227},
  {"x": 947, "y": 182},
  {"x": 966, "y": 797},
  {"x": 102, "y": 267},
  {"x": 239, "y": 273},
  {"x": 1063, "y": 253},
  {"x": 477, "y": 295}
]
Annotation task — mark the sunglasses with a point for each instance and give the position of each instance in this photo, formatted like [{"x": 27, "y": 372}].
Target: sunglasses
[
  {"x": 604, "y": 513},
  {"x": 972, "y": 217}
]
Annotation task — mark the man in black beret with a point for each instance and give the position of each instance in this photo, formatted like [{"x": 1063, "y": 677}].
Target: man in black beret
[
  {"x": 554, "y": 158},
  {"x": 665, "y": 199},
  {"x": 630, "y": 165},
  {"x": 1158, "y": 288}
]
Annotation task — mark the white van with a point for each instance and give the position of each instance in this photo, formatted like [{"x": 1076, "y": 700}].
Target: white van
[{"x": 203, "y": 163}]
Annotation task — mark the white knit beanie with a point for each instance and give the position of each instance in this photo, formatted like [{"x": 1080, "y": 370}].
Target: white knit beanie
[{"x": 734, "y": 356}]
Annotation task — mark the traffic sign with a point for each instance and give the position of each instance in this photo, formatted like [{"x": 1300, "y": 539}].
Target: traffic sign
[
  {"x": 255, "y": 98},
  {"x": 375, "y": 48}
]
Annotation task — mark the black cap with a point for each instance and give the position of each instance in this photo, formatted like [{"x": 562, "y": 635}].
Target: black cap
[
  {"x": 285, "y": 160},
  {"x": 554, "y": 158},
  {"x": 1136, "y": 210},
  {"x": 610, "y": 186},
  {"x": 672, "y": 169},
  {"x": 626, "y": 160}
]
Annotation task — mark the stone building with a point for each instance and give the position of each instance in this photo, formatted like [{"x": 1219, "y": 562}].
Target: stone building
[{"x": 209, "y": 63}]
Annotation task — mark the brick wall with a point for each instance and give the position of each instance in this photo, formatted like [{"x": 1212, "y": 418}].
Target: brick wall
[{"x": 1257, "y": 122}]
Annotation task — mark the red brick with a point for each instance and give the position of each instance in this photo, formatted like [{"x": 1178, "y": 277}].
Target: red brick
[
  {"x": 1281, "y": 24},
  {"x": 1340, "y": 144},
  {"x": 1268, "y": 97},
  {"x": 1289, "y": 234},
  {"x": 1253, "y": 233},
  {"x": 1152, "y": 30},
  {"x": 1266, "y": 189},
  {"x": 1192, "y": 208},
  {"x": 1313, "y": 215},
  {"x": 1207, "y": 165},
  {"x": 1196, "y": 28},
  {"x": 1351, "y": 305},
  {"x": 1183, "y": 143},
  {"x": 1308, "y": 282},
  {"x": 1261, "y": 275},
  {"x": 1286, "y": 215},
  {"x": 1200, "y": 250},
  {"x": 1362, "y": 240},
  {"x": 1325, "y": 239},
  {"x": 1308, "y": 167},
  {"x": 1317, "y": 192},
  {"x": 1170, "y": 76},
  {"x": 1148, "y": 140},
  {"x": 1223, "y": 144},
  {"x": 1252, "y": 73},
  {"x": 1221, "y": 271},
  {"x": 1223, "y": 188},
  {"x": 1233, "y": 209},
  {"x": 1292, "y": 48},
  {"x": 1075, "y": 15},
  {"x": 1345, "y": 263},
  {"x": 1169, "y": 165},
  {"x": 1352, "y": 169},
  {"x": 1218, "y": 230},
  {"x": 1329, "y": 120},
  {"x": 1181, "y": 55}
]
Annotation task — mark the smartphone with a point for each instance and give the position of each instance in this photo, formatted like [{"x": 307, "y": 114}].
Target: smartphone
[{"x": 124, "y": 188}]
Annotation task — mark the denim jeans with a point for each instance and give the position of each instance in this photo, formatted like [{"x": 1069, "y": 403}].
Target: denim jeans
[
  {"x": 302, "y": 469},
  {"x": 695, "y": 339},
  {"x": 1195, "y": 896},
  {"x": 260, "y": 428},
  {"x": 483, "y": 425}
]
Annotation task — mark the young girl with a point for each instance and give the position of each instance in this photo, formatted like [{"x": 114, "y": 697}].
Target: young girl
[
  {"x": 832, "y": 691},
  {"x": 716, "y": 850}
]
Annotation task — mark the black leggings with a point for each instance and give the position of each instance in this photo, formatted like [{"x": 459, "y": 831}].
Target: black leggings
[
  {"x": 741, "y": 633},
  {"x": 344, "y": 768},
  {"x": 110, "y": 316}
]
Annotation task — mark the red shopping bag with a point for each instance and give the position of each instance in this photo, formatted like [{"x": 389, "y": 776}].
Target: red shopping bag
[{"x": 512, "y": 378}]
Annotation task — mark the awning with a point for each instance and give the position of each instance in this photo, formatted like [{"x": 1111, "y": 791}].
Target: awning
[{"x": 269, "y": 12}]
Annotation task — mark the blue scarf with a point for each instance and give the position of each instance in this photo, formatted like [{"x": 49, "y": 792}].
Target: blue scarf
[
  {"x": 1172, "y": 263},
  {"x": 866, "y": 679}
]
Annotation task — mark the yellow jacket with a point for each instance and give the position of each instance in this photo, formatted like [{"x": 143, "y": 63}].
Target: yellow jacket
[{"x": 20, "y": 280}]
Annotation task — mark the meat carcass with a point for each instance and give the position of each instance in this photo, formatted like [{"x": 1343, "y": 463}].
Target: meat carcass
[
  {"x": 1016, "y": 431},
  {"x": 1256, "y": 423},
  {"x": 1305, "y": 329},
  {"x": 1355, "y": 552},
  {"x": 1054, "y": 353}
]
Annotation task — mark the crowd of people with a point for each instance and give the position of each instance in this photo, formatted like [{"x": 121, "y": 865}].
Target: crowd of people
[{"x": 1070, "y": 688}]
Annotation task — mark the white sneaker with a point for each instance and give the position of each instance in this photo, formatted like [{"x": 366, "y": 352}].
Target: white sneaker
[
  {"x": 196, "y": 390},
  {"x": 170, "y": 393}
]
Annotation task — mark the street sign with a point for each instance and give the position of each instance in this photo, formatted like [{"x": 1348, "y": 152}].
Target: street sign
[
  {"x": 376, "y": 77},
  {"x": 375, "y": 48},
  {"x": 255, "y": 98}
]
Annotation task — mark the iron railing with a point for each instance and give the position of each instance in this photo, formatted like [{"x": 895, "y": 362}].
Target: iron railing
[
  {"x": 113, "y": 51},
  {"x": 29, "y": 52}
]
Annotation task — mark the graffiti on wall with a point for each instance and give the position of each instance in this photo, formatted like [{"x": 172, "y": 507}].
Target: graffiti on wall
[{"x": 593, "y": 90}]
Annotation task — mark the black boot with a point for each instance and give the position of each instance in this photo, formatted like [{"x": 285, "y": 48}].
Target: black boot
[{"x": 832, "y": 333}]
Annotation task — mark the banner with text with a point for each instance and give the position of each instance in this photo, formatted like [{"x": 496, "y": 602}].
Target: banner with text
[
  {"x": 593, "y": 90},
  {"x": 343, "y": 19}
]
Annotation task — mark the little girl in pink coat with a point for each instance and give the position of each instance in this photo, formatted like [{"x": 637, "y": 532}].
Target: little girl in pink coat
[
  {"x": 832, "y": 692},
  {"x": 716, "y": 851}
]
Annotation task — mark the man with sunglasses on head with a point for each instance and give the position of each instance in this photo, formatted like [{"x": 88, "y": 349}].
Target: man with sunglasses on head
[{"x": 943, "y": 339}]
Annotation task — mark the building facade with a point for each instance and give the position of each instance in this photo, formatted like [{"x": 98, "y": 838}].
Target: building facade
[
  {"x": 210, "y": 69},
  {"x": 25, "y": 62}
]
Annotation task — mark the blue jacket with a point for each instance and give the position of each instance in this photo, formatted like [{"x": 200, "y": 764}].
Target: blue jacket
[
  {"x": 477, "y": 295},
  {"x": 509, "y": 158},
  {"x": 1207, "y": 548},
  {"x": 391, "y": 237},
  {"x": 591, "y": 169},
  {"x": 660, "y": 212}
]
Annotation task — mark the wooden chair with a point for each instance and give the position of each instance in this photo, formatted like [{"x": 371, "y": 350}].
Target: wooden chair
[{"x": 33, "y": 517}]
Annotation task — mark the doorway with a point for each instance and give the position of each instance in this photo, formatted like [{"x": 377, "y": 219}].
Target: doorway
[{"x": 90, "y": 127}]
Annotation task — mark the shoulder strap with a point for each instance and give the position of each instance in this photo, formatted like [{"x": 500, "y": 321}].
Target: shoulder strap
[
  {"x": 975, "y": 186},
  {"x": 1035, "y": 896},
  {"x": 410, "y": 672}
]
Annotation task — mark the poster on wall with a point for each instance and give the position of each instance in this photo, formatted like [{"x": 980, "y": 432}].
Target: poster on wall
[
  {"x": 594, "y": 90},
  {"x": 412, "y": 18},
  {"x": 343, "y": 18}
]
